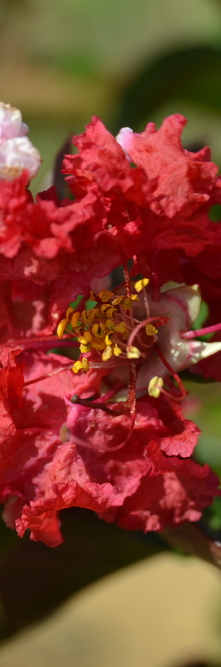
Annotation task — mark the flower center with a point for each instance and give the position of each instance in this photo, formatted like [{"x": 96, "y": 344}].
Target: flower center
[{"x": 110, "y": 329}]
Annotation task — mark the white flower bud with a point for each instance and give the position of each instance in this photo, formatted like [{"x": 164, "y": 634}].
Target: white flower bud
[{"x": 16, "y": 151}]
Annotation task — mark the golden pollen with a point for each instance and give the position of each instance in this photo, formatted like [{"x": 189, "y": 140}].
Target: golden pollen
[
  {"x": 140, "y": 284},
  {"x": 107, "y": 327},
  {"x": 133, "y": 352},
  {"x": 155, "y": 386}
]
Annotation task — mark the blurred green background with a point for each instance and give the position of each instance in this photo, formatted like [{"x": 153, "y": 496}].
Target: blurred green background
[{"x": 62, "y": 61}]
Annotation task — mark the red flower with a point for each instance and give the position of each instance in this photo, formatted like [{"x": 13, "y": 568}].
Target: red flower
[
  {"x": 113, "y": 438},
  {"x": 185, "y": 181},
  {"x": 131, "y": 472},
  {"x": 161, "y": 203},
  {"x": 136, "y": 485}
]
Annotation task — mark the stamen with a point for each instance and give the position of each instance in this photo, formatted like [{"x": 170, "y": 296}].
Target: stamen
[
  {"x": 146, "y": 303},
  {"x": 82, "y": 365},
  {"x": 121, "y": 328},
  {"x": 133, "y": 352},
  {"x": 86, "y": 338},
  {"x": 118, "y": 300},
  {"x": 155, "y": 386},
  {"x": 151, "y": 330},
  {"x": 48, "y": 375},
  {"x": 61, "y": 327},
  {"x": 107, "y": 353},
  {"x": 105, "y": 295},
  {"x": 174, "y": 375},
  {"x": 117, "y": 350},
  {"x": 201, "y": 332},
  {"x": 108, "y": 340},
  {"x": 140, "y": 284},
  {"x": 68, "y": 312},
  {"x": 148, "y": 321},
  {"x": 75, "y": 320},
  {"x": 85, "y": 348},
  {"x": 128, "y": 302}
]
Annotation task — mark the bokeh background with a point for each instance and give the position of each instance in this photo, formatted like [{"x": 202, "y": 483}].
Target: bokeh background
[{"x": 62, "y": 61}]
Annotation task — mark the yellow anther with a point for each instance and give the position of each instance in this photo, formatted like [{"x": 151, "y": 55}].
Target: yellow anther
[
  {"x": 61, "y": 327},
  {"x": 110, "y": 325},
  {"x": 75, "y": 320},
  {"x": 107, "y": 340},
  {"x": 140, "y": 284},
  {"x": 68, "y": 312},
  {"x": 85, "y": 338},
  {"x": 82, "y": 365},
  {"x": 155, "y": 386},
  {"x": 121, "y": 328},
  {"x": 107, "y": 353},
  {"x": 92, "y": 296},
  {"x": 133, "y": 352},
  {"x": 105, "y": 307},
  {"x": 89, "y": 316},
  {"x": 128, "y": 301},
  {"x": 97, "y": 344},
  {"x": 105, "y": 295},
  {"x": 110, "y": 311},
  {"x": 117, "y": 350},
  {"x": 85, "y": 364},
  {"x": 117, "y": 300},
  {"x": 77, "y": 367},
  {"x": 85, "y": 348},
  {"x": 86, "y": 317},
  {"x": 151, "y": 330},
  {"x": 99, "y": 330}
]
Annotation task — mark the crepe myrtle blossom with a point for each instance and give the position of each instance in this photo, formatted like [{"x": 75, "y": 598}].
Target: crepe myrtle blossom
[
  {"x": 106, "y": 430},
  {"x": 155, "y": 213},
  {"x": 103, "y": 432}
]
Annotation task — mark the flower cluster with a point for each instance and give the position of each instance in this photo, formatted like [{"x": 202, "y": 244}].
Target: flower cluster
[{"x": 102, "y": 427}]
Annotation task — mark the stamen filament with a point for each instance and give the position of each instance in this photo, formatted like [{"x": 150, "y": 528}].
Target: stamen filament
[
  {"x": 143, "y": 324},
  {"x": 146, "y": 303},
  {"x": 173, "y": 373},
  {"x": 201, "y": 332},
  {"x": 48, "y": 375}
]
